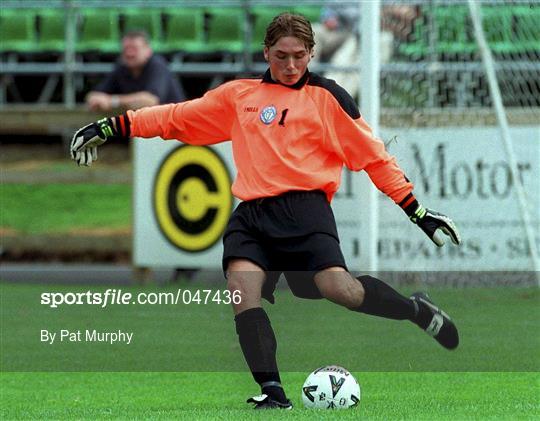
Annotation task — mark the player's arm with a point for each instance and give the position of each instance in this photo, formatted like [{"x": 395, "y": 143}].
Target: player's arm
[
  {"x": 391, "y": 180},
  {"x": 361, "y": 150},
  {"x": 203, "y": 121}
]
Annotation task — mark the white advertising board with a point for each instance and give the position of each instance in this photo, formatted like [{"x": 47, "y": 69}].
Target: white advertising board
[
  {"x": 182, "y": 202},
  {"x": 464, "y": 173}
]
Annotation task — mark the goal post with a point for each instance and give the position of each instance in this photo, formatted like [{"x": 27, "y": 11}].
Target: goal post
[
  {"x": 370, "y": 106},
  {"x": 488, "y": 62}
]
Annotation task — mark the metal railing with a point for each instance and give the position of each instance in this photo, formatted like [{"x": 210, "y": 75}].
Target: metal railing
[{"x": 71, "y": 65}]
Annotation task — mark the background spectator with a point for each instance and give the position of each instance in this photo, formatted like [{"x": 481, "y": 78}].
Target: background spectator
[
  {"x": 139, "y": 79},
  {"x": 336, "y": 26},
  {"x": 338, "y": 42}
]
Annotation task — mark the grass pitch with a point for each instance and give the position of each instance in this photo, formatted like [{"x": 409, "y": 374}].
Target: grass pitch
[
  {"x": 493, "y": 375},
  {"x": 59, "y": 208},
  {"x": 164, "y": 396}
]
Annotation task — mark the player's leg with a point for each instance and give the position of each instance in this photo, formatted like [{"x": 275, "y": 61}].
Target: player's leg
[
  {"x": 255, "y": 332},
  {"x": 245, "y": 262},
  {"x": 370, "y": 295},
  {"x": 366, "y": 294},
  {"x": 313, "y": 247},
  {"x": 246, "y": 279}
]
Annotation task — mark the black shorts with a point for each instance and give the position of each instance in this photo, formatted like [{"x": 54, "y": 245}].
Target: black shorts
[{"x": 294, "y": 233}]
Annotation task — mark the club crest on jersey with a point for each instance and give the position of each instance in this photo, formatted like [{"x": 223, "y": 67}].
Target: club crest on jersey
[{"x": 268, "y": 114}]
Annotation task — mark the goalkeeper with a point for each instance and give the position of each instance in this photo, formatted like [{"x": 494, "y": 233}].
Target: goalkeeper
[{"x": 291, "y": 131}]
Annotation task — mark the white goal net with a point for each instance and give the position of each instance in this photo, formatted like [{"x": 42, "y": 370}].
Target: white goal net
[{"x": 470, "y": 157}]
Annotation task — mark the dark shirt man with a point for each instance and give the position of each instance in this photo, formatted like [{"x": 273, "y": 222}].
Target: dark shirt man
[{"x": 139, "y": 79}]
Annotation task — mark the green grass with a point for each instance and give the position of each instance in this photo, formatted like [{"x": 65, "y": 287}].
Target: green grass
[
  {"x": 385, "y": 396},
  {"x": 186, "y": 350},
  {"x": 499, "y": 331},
  {"x": 57, "y": 208}
]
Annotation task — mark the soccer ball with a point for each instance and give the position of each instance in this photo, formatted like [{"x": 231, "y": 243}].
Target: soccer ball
[{"x": 330, "y": 387}]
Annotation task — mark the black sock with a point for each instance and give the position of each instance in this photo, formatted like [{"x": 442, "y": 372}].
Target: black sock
[
  {"x": 380, "y": 299},
  {"x": 275, "y": 392},
  {"x": 259, "y": 346}
]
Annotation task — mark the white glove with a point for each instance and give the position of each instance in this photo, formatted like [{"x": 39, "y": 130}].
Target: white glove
[
  {"x": 83, "y": 148},
  {"x": 433, "y": 223}
]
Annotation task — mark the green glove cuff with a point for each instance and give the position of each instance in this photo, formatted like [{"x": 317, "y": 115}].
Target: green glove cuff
[
  {"x": 107, "y": 128},
  {"x": 114, "y": 128},
  {"x": 418, "y": 214}
]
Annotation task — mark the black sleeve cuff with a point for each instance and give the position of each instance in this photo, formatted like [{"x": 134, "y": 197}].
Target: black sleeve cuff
[
  {"x": 122, "y": 126},
  {"x": 409, "y": 204}
]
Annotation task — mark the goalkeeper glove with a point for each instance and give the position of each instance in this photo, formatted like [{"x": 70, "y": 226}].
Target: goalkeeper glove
[
  {"x": 83, "y": 148},
  {"x": 432, "y": 223}
]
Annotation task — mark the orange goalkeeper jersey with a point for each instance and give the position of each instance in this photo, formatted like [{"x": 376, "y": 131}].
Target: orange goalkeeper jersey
[{"x": 283, "y": 137}]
